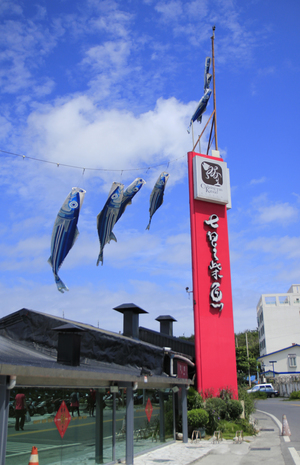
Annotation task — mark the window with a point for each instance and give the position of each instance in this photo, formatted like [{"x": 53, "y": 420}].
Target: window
[
  {"x": 292, "y": 360},
  {"x": 270, "y": 300},
  {"x": 283, "y": 300}
]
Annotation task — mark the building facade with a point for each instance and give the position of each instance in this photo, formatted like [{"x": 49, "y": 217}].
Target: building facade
[
  {"x": 278, "y": 320},
  {"x": 135, "y": 390},
  {"x": 281, "y": 362}
]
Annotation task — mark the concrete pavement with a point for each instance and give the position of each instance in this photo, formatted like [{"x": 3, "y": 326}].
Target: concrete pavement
[{"x": 265, "y": 447}]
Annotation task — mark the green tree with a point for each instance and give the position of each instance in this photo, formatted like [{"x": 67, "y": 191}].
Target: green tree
[{"x": 243, "y": 364}]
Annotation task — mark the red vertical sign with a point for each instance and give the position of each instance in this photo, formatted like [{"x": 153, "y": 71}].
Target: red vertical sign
[
  {"x": 149, "y": 409},
  {"x": 182, "y": 370},
  {"x": 213, "y": 314},
  {"x": 62, "y": 419}
]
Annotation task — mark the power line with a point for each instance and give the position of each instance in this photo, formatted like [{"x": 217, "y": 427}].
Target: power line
[{"x": 89, "y": 169}]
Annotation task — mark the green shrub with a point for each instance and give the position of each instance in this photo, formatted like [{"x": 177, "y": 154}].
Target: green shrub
[
  {"x": 228, "y": 429},
  {"x": 295, "y": 395},
  {"x": 194, "y": 399},
  {"x": 248, "y": 428},
  {"x": 226, "y": 394},
  {"x": 234, "y": 409},
  {"x": 197, "y": 418},
  {"x": 258, "y": 395},
  {"x": 216, "y": 409},
  {"x": 248, "y": 402}
]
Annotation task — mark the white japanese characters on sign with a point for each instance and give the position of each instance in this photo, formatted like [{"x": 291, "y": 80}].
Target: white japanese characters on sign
[{"x": 215, "y": 266}]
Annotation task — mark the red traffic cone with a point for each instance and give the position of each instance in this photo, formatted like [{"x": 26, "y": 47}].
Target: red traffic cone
[
  {"x": 285, "y": 427},
  {"x": 34, "y": 458}
]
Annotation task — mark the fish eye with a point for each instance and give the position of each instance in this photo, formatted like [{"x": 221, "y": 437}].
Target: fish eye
[
  {"x": 73, "y": 204},
  {"x": 114, "y": 196},
  {"x": 135, "y": 189}
]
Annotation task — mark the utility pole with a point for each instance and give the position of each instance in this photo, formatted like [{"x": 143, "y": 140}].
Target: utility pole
[
  {"x": 248, "y": 359},
  {"x": 214, "y": 86}
]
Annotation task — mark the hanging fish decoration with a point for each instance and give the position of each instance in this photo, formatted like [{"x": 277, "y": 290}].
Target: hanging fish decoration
[
  {"x": 65, "y": 232},
  {"x": 108, "y": 217},
  {"x": 157, "y": 194},
  {"x": 207, "y": 76},
  {"x": 129, "y": 193},
  {"x": 201, "y": 107}
]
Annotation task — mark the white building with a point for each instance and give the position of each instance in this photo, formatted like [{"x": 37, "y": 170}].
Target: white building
[
  {"x": 278, "y": 319},
  {"x": 281, "y": 362}
]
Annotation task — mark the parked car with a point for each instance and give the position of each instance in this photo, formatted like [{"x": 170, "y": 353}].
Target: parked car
[
  {"x": 267, "y": 388},
  {"x": 271, "y": 392},
  {"x": 260, "y": 387}
]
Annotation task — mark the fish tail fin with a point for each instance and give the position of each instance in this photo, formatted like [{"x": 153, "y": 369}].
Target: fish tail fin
[
  {"x": 100, "y": 258},
  {"x": 60, "y": 285},
  {"x": 148, "y": 227},
  {"x": 112, "y": 237}
]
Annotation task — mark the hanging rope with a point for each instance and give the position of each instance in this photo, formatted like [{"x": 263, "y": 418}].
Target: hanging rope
[{"x": 91, "y": 169}]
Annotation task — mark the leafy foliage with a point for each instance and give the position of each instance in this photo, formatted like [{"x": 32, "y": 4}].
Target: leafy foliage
[
  {"x": 295, "y": 395},
  {"x": 216, "y": 409},
  {"x": 243, "y": 363},
  {"x": 194, "y": 399},
  {"x": 248, "y": 402},
  {"x": 234, "y": 410},
  {"x": 197, "y": 418}
]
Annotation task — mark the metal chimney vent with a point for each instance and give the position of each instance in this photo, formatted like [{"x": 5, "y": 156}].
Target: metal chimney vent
[
  {"x": 68, "y": 349},
  {"x": 166, "y": 324},
  {"x": 131, "y": 319}
]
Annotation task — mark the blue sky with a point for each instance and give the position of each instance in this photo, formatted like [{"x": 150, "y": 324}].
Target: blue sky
[{"x": 110, "y": 86}]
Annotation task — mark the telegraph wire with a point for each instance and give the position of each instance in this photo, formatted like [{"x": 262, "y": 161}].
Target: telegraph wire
[{"x": 84, "y": 168}]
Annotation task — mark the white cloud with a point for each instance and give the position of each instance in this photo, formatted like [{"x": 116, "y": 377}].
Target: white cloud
[
  {"x": 109, "y": 55},
  {"x": 78, "y": 133},
  {"x": 283, "y": 213},
  {"x": 286, "y": 247},
  {"x": 258, "y": 181}
]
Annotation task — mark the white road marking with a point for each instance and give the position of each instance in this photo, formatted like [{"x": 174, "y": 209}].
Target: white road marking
[{"x": 295, "y": 455}]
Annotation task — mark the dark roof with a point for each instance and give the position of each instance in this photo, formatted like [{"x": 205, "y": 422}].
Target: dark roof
[
  {"x": 28, "y": 349},
  {"x": 164, "y": 340},
  {"x": 277, "y": 351}
]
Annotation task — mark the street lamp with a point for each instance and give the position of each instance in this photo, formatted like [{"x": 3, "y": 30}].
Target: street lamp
[{"x": 273, "y": 362}]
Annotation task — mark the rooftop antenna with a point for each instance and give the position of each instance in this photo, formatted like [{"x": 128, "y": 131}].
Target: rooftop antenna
[{"x": 213, "y": 117}]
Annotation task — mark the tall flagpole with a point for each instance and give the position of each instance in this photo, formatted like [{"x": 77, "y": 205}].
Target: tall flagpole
[{"x": 214, "y": 85}]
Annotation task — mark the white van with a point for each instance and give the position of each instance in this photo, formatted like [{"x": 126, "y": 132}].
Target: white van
[
  {"x": 260, "y": 387},
  {"x": 267, "y": 388}
]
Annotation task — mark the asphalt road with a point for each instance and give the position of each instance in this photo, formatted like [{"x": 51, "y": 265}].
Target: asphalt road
[
  {"x": 79, "y": 438},
  {"x": 279, "y": 407}
]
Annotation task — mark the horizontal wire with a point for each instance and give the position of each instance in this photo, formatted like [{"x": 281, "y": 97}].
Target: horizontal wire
[{"x": 84, "y": 168}]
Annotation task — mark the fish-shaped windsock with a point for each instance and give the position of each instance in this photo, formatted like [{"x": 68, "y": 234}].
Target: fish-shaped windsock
[
  {"x": 65, "y": 232},
  {"x": 129, "y": 193},
  {"x": 207, "y": 76},
  {"x": 108, "y": 217},
  {"x": 201, "y": 107},
  {"x": 157, "y": 194}
]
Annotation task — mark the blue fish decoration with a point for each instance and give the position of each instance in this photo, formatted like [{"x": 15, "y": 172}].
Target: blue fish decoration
[
  {"x": 108, "y": 217},
  {"x": 129, "y": 193},
  {"x": 65, "y": 232},
  {"x": 201, "y": 107},
  {"x": 207, "y": 76},
  {"x": 157, "y": 194}
]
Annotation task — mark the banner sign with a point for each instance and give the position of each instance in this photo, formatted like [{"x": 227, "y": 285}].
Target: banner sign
[
  {"x": 212, "y": 299},
  {"x": 211, "y": 180}
]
